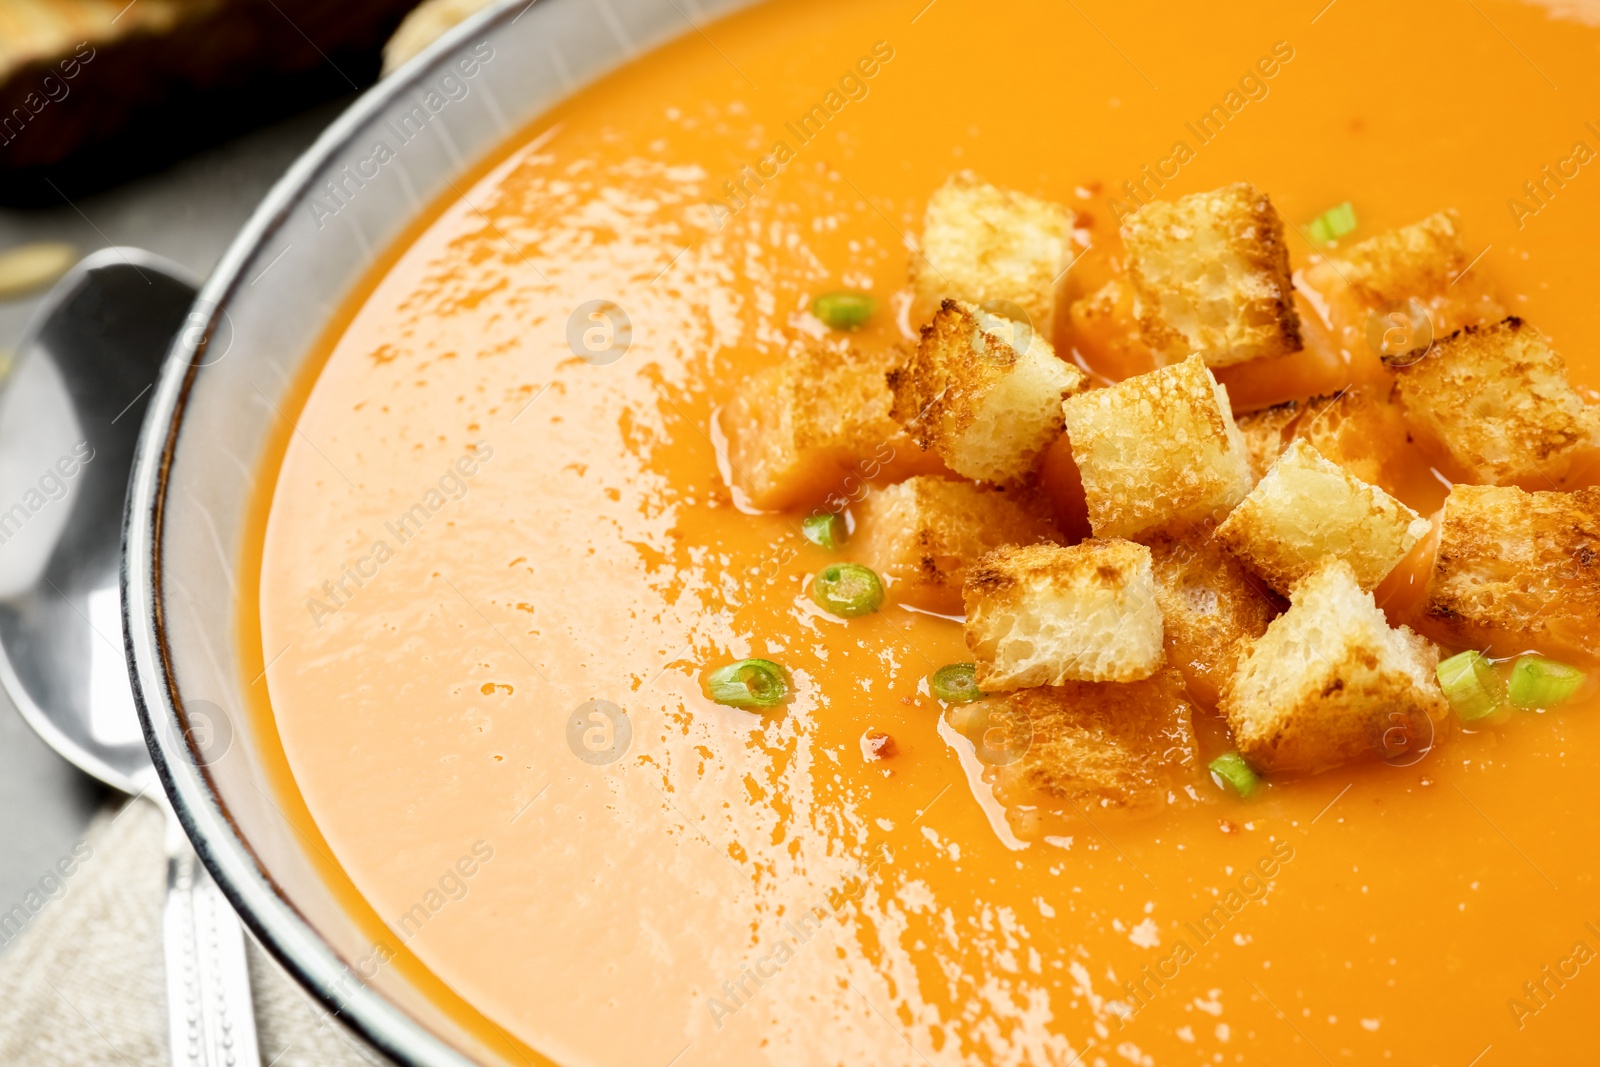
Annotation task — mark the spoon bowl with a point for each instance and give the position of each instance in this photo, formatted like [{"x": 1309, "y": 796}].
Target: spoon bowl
[{"x": 70, "y": 416}]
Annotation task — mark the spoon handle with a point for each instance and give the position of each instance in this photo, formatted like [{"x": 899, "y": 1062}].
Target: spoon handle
[{"x": 210, "y": 1015}]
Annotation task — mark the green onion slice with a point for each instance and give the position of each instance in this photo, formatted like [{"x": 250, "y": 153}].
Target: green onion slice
[
  {"x": 844, "y": 310},
  {"x": 1231, "y": 768},
  {"x": 847, "y": 589},
  {"x": 826, "y": 531},
  {"x": 955, "y": 683},
  {"x": 1472, "y": 686},
  {"x": 749, "y": 683},
  {"x": 1332, "y": 224},
  {"x": 1537, "y": 682}
]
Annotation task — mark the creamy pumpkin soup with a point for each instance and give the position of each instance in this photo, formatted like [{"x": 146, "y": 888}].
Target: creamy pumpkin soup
[{"x": 975, "y": 534}]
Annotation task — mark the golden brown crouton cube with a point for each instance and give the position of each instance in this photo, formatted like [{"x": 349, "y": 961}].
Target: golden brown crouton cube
[
  {"x": 988, "y": 245},
  {"x": 1043, "y": 615},
  {"x": 1497, "y": 400},
  {"x": 1061, "y": 487},
  {"x": 1156, "y": 450},
  {"x": 1091, "y": 747},
  {"x": 1367, "y": 284},
  {"x": 1330, "y": 680},
  {"x": 1211, "y": 276},
  {"x": 922, "y": 534},
  {"x": 1307, "y": 508},
  {"x": 1413, "y": 261},
  {"x": 1105, "y": 333},
  {"x": 795, "y": 429},
  {"x": 1211, "y": 610},
  {"x": 1359, "y": 429},
  {"x": 1517, "y": 570},
  {"x": 1268, "y": 432},
  {"x": 985, "y": 392}
]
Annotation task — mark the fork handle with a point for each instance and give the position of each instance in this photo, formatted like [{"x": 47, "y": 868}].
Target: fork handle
[{"x": 211, "y": 1021}]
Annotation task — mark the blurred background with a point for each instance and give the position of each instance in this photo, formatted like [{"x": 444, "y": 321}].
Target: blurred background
[{"x": 161, "y": 124}]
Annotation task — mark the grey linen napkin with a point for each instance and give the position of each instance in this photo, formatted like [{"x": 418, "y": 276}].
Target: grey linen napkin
[{"x": 84, "y": 985}]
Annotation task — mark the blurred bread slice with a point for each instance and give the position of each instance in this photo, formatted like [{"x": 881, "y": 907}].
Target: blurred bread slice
[
  {"x": 32, "y": 30},
  {"x": 95, "y": 91},
  {"x": 424, "y": 25}
]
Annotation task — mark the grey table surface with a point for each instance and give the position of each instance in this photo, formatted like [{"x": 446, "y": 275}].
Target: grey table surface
[{"x": 188, "y": 213}]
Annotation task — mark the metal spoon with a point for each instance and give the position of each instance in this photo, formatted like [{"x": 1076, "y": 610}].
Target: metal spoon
[{"x": 69, "y": 420}]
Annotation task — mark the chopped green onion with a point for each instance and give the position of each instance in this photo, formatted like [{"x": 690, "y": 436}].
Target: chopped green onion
[
  {"x": 1230, "y": 767},
  {"x": 1537, "y": 682},
  {"x": 826, "y": 531},
  {"x": 749, "y": 683},
  {"x": 844, "y": 310},
  {"x": 1472, "y": 686},
  {"x": 955, "y": 683},
  {"x": 1332, "y": 224},
  {"x": 848, "y": 589}
]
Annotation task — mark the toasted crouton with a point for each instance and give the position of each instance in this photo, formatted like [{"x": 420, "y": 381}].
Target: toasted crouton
[
  {"x": 988, "y": 245},
  {"x": 922, "y": 534},
  {"x": 1413, "y": 261},
  {"x": 1306, "y": 508},
  {"x": 794, "y": 430},
  {"x": 1211, "y": 609},
  {"x": 1043, "y": 615},
  {"x": 985, "y": 392},
  {"x": 1210, "y": 274},
  {"x": 1061, "y": 487},
  {"x": 1359, "y": 429},
  {"x": 1516, "y": 570},
  {"x": 1330, "y": 681},
  {"x": 1105, "y": 332},
  {"x": 1157, "y": 449},
  {"x": 1099, "y": 746},
  {"x": 1425, "y": 262},
  {"x": 1497, "y": 400},
  {"x": 1268, "y": 432}
]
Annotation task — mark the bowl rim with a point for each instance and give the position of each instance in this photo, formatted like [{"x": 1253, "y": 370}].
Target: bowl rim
[{"x": 276, "y": 924}]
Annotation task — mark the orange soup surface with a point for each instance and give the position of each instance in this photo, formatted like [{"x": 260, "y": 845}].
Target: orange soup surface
[{"x": 501, "y": 554}]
